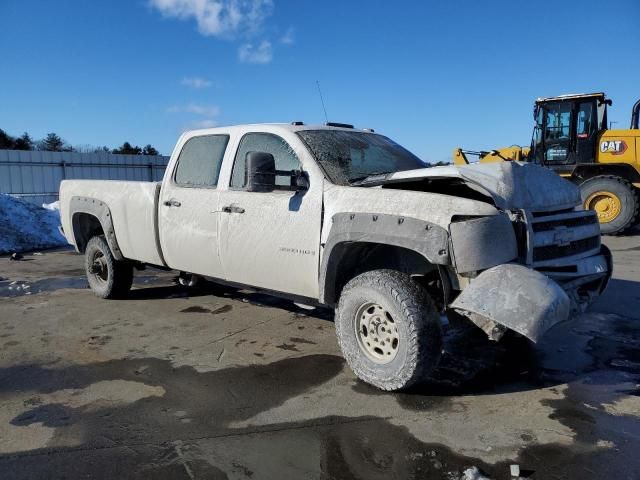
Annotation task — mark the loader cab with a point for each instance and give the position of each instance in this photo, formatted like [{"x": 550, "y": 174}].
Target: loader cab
[{"x": 566, "y": 129}]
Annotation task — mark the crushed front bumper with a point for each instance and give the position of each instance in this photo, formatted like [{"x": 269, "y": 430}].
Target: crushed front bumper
[{"x": 530, "y": 302}]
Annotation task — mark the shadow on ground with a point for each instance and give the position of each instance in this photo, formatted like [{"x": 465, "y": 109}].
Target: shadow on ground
[
  {"x": 187, "y": 431},
  {"x": 621, "y": 297}
]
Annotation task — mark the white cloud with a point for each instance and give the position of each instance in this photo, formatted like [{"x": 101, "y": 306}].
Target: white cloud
[
  {"x": 196, "y": 108},
  {"x": 207, "y": 123},
  {"x": 250, "y": 53},
  {"x": 196, "y": 82},
  {"x": 289, "y": 36},
  {"x": 207, "y": 112},
  {"x": 218, "y": 17}
]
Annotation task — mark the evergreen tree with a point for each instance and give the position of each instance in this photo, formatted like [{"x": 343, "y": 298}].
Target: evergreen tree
[
  {"x": 6, "y": 141},
  {"x": 23, "y": 143},
  {"x": 128, "y": 149},
  {"x": 53, "y": 143},
  {"x": 149, "y": 150}
]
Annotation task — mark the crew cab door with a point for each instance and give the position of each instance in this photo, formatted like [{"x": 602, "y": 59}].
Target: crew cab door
[
  {"x": 188, "y": 212},
  {"x": 271, "y": 239}
]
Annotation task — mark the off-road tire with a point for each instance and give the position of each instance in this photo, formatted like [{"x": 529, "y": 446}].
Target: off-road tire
[
  {"x": 629, "y": 200},
  {"x": 418, "y": 321},
  {"x": 119, "y": 274}
]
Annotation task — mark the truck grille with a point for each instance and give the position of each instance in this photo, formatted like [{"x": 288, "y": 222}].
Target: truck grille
[
  {"x": 559, "y": 238},
  {"x": 542, "y": 226},
  {"x": 556, "y": 251}
]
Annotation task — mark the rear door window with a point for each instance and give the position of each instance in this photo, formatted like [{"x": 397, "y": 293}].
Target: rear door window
[{"x": 200, "y": 161}]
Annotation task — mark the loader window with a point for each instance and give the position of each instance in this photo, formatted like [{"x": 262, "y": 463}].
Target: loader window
[
  {"x": 557, "y": 131},
  {"x": 586, "y": 119},
  {"x": 200, "y": 160},
  {"x": 558, "y": 121},
  {"x": 586, "y": 127}
]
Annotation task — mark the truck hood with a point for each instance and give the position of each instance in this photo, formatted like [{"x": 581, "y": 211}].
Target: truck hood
[
  {"x": 428, "y": 206},
  {"x": 511, "y": 185}
]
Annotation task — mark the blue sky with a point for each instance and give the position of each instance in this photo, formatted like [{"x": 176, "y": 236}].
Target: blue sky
[{"x": 431, "y": 75}]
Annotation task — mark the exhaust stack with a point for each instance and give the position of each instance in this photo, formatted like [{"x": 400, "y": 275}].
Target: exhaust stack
[{"x": 635, "y": 116}]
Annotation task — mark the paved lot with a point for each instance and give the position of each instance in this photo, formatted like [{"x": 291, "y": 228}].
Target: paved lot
[{"x": 235, "y": 384}]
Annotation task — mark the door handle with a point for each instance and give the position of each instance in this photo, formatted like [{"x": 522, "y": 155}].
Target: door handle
[
  {"x": 232, "y": 209},
  {"x": 172, "y": 203}
]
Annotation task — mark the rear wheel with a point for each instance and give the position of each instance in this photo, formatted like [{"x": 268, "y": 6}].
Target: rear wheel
[
  {"x": 108, "y": 277},
  {"x": 388, "y": 329},
  {"x": 614, "y": 200}
]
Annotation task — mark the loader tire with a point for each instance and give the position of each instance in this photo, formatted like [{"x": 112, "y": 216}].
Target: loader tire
[
  {"x": 615, "y": 201},
  {"x": 388, "y": 329},
  {"x": 108, "y": 277}
]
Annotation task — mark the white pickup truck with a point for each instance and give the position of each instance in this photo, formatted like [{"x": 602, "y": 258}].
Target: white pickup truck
[{"x": 349, "y": 219}]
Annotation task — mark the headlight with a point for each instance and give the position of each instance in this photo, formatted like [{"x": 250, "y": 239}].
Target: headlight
[{"x": 482, "y": 242}]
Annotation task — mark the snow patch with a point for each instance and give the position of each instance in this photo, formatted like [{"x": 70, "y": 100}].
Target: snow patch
[
  {"x": 473, "y": 473},
  {"x": 25, "y": 227},
  {"x": 54, "y": 207}
]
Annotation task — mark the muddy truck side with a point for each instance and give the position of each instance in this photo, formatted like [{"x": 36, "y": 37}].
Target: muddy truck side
[{"x": 348, "y": 219}]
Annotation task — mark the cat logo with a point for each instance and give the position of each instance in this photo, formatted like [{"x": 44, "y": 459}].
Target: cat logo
[{"x": 615, "y": 147}]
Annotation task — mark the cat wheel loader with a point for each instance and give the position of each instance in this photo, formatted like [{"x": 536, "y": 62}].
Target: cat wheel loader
[{"x": 571, "y": 137}]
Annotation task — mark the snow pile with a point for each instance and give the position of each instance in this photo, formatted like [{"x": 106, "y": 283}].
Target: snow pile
[
  {"x": 54, "y": 207},
  {"x": 24, "y": 226}
]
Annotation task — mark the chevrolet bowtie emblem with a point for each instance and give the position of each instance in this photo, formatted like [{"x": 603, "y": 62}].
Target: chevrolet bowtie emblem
[{"x": 562, "y": 236}]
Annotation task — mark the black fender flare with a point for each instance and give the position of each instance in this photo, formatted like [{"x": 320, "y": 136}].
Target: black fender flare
[
  {"x": 99, "y": 210},
  {"x": 426, "y": 238}
]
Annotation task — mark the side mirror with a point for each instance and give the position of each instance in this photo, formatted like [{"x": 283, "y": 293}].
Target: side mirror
[
  {"x": 260, "y": 172},
  {"x": 301, "y": 182}
]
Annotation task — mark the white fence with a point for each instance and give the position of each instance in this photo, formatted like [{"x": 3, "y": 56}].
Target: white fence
[{"x": 35, "y": 176}]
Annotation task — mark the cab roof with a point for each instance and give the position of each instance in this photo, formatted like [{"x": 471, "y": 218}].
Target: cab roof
[
  {"x": 291, "y": 127},
  {"x": 570, "y": 96}
]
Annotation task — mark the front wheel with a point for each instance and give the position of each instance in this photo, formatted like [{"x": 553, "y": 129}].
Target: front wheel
[
  {"x": 108, "y": 277},
  {"x": 388, "y": 329},
  {"x": 615, "y": 201}
]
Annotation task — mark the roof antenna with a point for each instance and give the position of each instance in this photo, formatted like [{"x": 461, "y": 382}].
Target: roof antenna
[{"x": 322, "y": 100}]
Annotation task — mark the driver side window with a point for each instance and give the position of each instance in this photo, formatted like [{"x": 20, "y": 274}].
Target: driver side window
[{"x": 285, "y": 158}]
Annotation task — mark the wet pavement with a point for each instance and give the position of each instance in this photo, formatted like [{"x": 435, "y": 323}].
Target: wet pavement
[{"x": 225, "y": 383}]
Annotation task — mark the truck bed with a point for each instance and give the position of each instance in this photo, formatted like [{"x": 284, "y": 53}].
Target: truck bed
[{"x": 133, "y": 206}]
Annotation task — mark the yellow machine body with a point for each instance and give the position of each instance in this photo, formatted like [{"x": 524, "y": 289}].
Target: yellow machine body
[
  {"x": 571, "y": 137},
  {"x": 514, "y": 154},
  {"x": 619, "y": 146}
]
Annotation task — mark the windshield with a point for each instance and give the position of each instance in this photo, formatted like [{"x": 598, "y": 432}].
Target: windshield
[{"x": 348, "y": 157}]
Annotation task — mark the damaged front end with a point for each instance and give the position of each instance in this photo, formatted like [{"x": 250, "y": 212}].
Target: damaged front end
[
  {"x": 528, "y": 278},
  {"x": 514, "y": 297},
  {"x": 530, "y": 265}
]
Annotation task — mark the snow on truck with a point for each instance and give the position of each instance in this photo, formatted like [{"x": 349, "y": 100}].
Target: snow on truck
[{"x": 349, "y": 219}]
